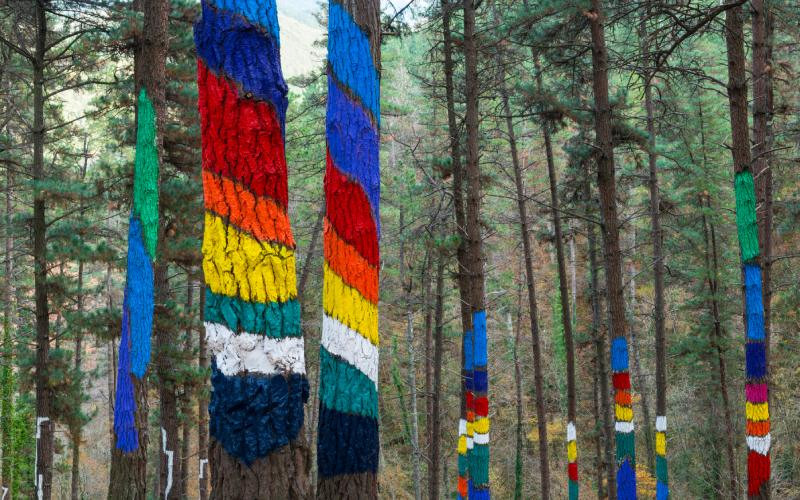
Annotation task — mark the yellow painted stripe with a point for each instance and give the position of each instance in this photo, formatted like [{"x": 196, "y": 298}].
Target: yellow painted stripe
[
  {"x": 347, "y": 305},
  {"x": 237, "y": 265},
  {"x": 661, "y": 444},
  {"x": 462, "y": 445},
  {"x": 470, "y": 428},
  {"x": 623, "y": 413},
  {"x": 758, "y": 412},
  {"x": 572, "y": 451},
  {"x": 481, "y": 425}
]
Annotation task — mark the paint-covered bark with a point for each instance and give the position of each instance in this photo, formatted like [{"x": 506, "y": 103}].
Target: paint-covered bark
[
  {"x": 251, "y": 312},
  {"x": 756, "y": 378},
  {"x": 348, "y": 446}
]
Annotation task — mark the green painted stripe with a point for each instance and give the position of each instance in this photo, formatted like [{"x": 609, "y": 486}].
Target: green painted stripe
[
  {"x": 626, "y": 447},
  {"x": 573, "y": 490},
  {"x": 145, "y": 173},
  {"x": 479, "y": 464},
  {"x": 661, "y": 469},
  {"x": 463, "y": 465},
  {"x": 275, "y": 320},
  {"x": 746, "y": 223},
  {"x": 344, "y": 388}
]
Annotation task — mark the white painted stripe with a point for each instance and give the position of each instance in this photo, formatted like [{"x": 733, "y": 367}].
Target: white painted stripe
[
  {"x": 462, "y": 427},
  {"x": 661, "y": 424},
  {"x": 571, "y": 432},
  {"x": 481, "y": 438},
  {"x": 169, "y": 454},
  {"x": 470, "y": 444},
  {"x": 237, "y": 353},
  {"x": 624, "y": 427},
  {"x": 351, "y": 346},
  {"x": 203, "y": 462},
  {"x": 759, "y": 444}
]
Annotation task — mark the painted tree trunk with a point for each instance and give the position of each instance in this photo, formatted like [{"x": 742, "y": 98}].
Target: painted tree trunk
[
  {"x": 348, "y": 446},
  {"x": 756, "y": 378},
  {"x": 252, "y": 315},
  {"x": 623, "y": 409}
]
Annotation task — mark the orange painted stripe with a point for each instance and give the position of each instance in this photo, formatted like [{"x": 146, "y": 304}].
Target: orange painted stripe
[
  {"x": 757, "y": 428},
  {"x": 623, "y": 398},
  {"x": 260, "y": 216},
  {"x": 354, "y": 269},
  {"x": 462, "y": 486}
]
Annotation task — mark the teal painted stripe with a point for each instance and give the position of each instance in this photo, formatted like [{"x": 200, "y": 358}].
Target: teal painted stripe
[
  {"x": 661, "y": 469},
  {"x": 573, "y": 490},
  {"x": 274, "y": 320},
  {"x": 479, "y": 464},
  {"x": 463, "y": 465},
  {"x": 626, "y": 447},
  {"x": 344, "y": 388}
]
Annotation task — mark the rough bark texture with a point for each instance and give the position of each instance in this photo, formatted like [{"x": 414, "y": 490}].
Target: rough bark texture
[
  {"x": 348, "y": 448},
  {"x": 6, "y": 373},
  {"x": 283, "y": 474},
  {"x": 606, "y": 182},
  {"x": 44, "y": 422},
  {"x": 462, "y": 275},
  {"x": 202, "y": 406},
  {"x": 756, "y": 374}
]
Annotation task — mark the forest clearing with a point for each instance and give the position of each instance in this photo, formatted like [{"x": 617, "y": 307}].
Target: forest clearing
[{"x": 292, "y": 249}]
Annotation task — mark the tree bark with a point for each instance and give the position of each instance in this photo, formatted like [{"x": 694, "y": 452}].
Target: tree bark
[
  {"x": 435, "y": 419},
  {"x": 712, "y": 263},
  {"x": 202, "y": 402},
  {"x": 538, "y": 381},
  {"x": 606, "y": 183},
  {"x": 44, "y": 423},
  {"x": 600, "y": 350},
  {"x": 7, "y": 374}
]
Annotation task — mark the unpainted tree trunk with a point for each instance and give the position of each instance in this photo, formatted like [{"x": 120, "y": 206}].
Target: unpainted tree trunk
[
  {"x": 202, "y": 403},
  {"x": 7, "y": 381},
  {"x": 435, "y": 415}
]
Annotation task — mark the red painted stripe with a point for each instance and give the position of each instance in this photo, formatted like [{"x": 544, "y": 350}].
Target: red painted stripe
[
  {"x": 470, "y": 400},
  {"x": 757, "y": 471},
  {"x": 242, "y": 137},
  {"x": 482, "y": 406},
  {"x": 572, "y": 470},
  {"x": 350, "y": 214},
  {"x": 622, "y": 380}
]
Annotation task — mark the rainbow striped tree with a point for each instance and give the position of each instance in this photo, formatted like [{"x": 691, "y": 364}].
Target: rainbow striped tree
[
  {"x": 137, "y": 309},
  {"x": 348, "y": 447},
  {"x": 756, "y": 389},
  {"x": 252, "y": 316}
]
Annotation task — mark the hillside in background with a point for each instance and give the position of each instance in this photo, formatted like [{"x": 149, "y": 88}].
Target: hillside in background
[{"x": 299, "y": 31}]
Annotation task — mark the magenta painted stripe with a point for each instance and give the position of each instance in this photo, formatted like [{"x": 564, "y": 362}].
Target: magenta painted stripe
[{"x": 756, "y": 393}]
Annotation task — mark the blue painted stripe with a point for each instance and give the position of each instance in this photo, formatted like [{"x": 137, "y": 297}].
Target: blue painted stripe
[
  {"x": 261, "y": 12},
  {"x": 229, "y": 45},
  {"x": 139, "y": 293},
  {"x": 251, "y": 416},
  {"x": 755, "y": 360},
  {"x": 754, "y": 302},
  {"x": 124, "y": 401},
  {"x": 626, "y": 481},
  {"x": 274, "y": 320},
  {"x": 354, "y": 145},
  {"x": 347, "y": 444},
  {"x": 480, "y": 381},
  {"x": 619, "y": 354},
  {"x": 468, "y": 350},
  {"x": 662, "y": 491},
  {"x": 479, "y": 325},
  {"x": 351, "y": 59}
]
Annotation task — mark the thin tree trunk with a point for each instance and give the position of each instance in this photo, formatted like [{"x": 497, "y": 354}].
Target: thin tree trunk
[
  {"x": 427, "y": 310},
  {"x": 600, "y": 352},
  {"x": 186, "y": 399},
  {"x": 711, "y": 261},
  {"x": 202, "y": 402},
  {"x": 7, "y": 382},
  {"x": 435, "y": 443},
  {"x": 76, "y": 432},
  {"x": 312, "y": 246},
  {"x": 762, "y": 142},
  {"x": 541, "y": 415},
  {"x": 756, "y": 374},
  {"x": 479, "y": 455},
  {"x": 44, "y": 423},
  {"x": 128, "y": 478},
  {"x": 519, "y": 428},
  {"x": 462, "y": 275},
  {"x": 566, "y": 319},
  {"x": 111, "y": 359},
  {"x": 169, "y": 466},
  {"x": 659, "y": 307},
  {"x": 626, "y": 487}
]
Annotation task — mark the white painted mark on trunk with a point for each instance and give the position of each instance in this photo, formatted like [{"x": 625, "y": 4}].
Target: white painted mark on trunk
[
  {"x": 37, "y": 479},
  {"x": 169, "y": 454},
  {"x": 203, "y": 462}
]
